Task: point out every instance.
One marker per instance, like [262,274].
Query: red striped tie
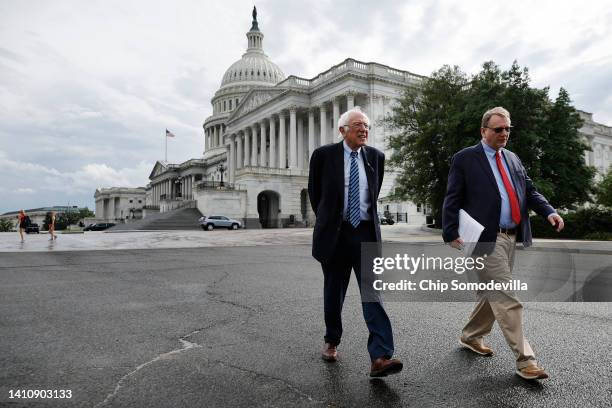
[514,205]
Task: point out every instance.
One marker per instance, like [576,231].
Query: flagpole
[166,137]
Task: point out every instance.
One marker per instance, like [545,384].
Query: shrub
[584,223]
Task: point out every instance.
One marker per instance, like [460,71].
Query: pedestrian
[21,223]
[51,226]
[343,184]
[490,183]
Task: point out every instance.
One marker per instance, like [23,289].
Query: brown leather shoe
[532,373]
[476,347]
[330,352]
[382,367]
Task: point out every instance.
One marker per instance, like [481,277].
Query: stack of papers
[469,231]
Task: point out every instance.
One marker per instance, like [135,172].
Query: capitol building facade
[264,127]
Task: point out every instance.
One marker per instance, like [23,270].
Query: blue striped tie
[353,193]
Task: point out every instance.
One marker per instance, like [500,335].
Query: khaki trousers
[501,306]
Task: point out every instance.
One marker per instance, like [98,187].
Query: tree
[85,213]
[72,217]
[431,124]
[6,225]
[61,221]
[562,156]
[604,190]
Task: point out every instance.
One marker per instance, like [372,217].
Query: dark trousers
[337,274]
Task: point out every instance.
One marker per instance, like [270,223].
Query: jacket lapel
[484,163]
[369,170]
[338,164]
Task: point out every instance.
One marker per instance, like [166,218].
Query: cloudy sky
[87,88]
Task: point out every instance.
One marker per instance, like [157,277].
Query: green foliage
[428,130]
[85,213]
[604,190]
[585,223]
[73,217]
[562,163]
[61,222]
[7,225]
[431,124]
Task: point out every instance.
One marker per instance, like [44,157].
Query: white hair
[344,118]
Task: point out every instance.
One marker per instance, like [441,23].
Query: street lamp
[221,168]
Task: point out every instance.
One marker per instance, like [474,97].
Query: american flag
[169,133]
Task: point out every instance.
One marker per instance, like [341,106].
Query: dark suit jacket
[326,191]
[472,187]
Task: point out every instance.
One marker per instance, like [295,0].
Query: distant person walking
[21,223]
[52,226]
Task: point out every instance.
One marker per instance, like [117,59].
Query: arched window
[224,106]
[230,104]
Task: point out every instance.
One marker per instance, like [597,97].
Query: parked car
[101,226]
[386,220]
[32,228]
[219,221]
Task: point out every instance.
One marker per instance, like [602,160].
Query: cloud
[25,182]
[80,110]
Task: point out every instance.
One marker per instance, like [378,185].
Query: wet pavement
[234,318]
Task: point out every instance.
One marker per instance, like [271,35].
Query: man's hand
[556,221]
[457,244]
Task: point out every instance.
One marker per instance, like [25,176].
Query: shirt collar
[348,150]
[489,151]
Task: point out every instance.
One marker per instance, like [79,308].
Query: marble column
[323,119]
[254,145]
[247,148]
[231,160]
[336,108]
[300,142]
[350,101]
[282,141]
[272,161]
[239,159]
[311,134]
[262,146]
[292,139]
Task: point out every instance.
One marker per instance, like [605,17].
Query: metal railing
[218,185]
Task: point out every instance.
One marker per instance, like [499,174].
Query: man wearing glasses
[343,185]
[492,186]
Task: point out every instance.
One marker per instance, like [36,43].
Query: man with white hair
[343,185]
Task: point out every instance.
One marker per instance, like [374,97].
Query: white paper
[469,231]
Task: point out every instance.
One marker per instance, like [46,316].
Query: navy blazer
[472,187]
[326,192]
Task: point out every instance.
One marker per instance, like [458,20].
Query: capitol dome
[255,67]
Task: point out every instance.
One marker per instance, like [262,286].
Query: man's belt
[507,231]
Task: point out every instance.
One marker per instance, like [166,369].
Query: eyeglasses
[359,125]
[499,129]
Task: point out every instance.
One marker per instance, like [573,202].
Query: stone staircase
[181,219]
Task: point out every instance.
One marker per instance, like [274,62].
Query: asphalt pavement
[237,322]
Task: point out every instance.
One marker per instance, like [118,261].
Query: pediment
[159,168]
[254,99]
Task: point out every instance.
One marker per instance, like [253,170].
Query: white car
[219,221]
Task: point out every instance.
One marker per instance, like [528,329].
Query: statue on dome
[254,26]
